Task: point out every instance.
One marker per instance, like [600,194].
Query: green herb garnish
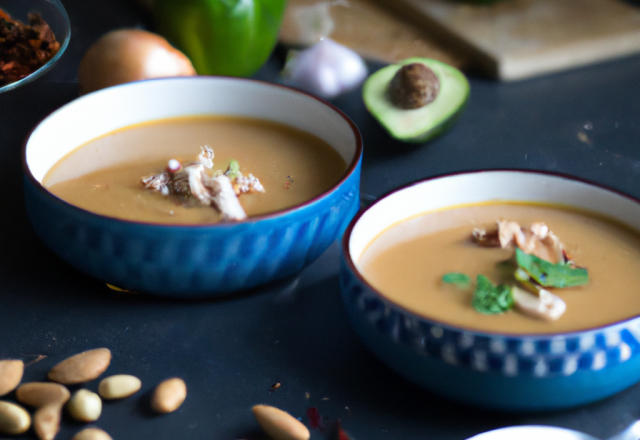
[233,170]
[551,275]
[490,299]
[458,279]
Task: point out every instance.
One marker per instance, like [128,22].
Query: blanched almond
[85,406]
[10,375]
[14,419]
[280,425]
[81,367]
[46,421]
[169,395]
[39,394]
[91,434]
[118,386]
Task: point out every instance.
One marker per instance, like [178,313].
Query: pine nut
[169,395]
[280,425]
[118,386]
[85,406]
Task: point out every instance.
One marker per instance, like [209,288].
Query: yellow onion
[127,55]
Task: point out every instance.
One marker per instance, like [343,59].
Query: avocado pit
[413,86]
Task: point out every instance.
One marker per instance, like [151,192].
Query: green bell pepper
[221,37]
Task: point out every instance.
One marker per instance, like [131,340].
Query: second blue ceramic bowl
[189,261]
[500,371]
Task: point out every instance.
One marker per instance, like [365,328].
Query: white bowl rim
[351,167]
[346,254]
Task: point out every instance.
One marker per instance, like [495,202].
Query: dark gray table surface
[231,351]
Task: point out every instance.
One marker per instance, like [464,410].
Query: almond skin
[14,419]
[81,367]
[169,395]
[39,394]
[10,375]
[280,425]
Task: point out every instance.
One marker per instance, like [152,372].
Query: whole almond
[39,394]
[46,421]
[91,434]
[10,375]
[14,419]
[278,424]
[81,367]
[118,386]
[85,406]
[169,395]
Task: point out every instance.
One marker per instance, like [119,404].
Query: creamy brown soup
[103,176]
[407,261]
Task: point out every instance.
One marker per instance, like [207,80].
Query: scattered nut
[10,375]
[39,394]
[91,434]
[14,419]
[278,424]
[85,406]
[81,367]
[169,395]
[46,421]
[118,386]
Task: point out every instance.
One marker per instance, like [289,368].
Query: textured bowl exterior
[505,372]
[190,260]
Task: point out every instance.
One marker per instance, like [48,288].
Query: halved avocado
[423,123]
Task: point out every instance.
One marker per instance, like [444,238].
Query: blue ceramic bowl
[500,371]
[54,14]
[189,261]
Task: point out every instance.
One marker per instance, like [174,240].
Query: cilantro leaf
[458,279]
[490,299]
[551,275]
[234,168]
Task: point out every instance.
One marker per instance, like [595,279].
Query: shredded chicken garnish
[193,181]
[538,240]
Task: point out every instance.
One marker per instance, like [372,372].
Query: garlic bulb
[326,69]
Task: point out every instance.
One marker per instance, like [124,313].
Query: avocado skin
[453,102]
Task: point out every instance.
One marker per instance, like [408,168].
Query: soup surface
[407,261]
[104,175]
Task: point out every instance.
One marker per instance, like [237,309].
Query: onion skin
[127,55]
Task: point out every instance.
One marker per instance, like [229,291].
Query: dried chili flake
[342,435]
[24,48]
[337,433]
[315,419]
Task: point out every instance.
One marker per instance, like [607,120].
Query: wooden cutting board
[372,30]
[516,39]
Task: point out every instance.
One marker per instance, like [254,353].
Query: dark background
[296,332]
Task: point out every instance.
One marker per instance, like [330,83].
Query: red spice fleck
[315,419]
[339,433]
[342,435]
